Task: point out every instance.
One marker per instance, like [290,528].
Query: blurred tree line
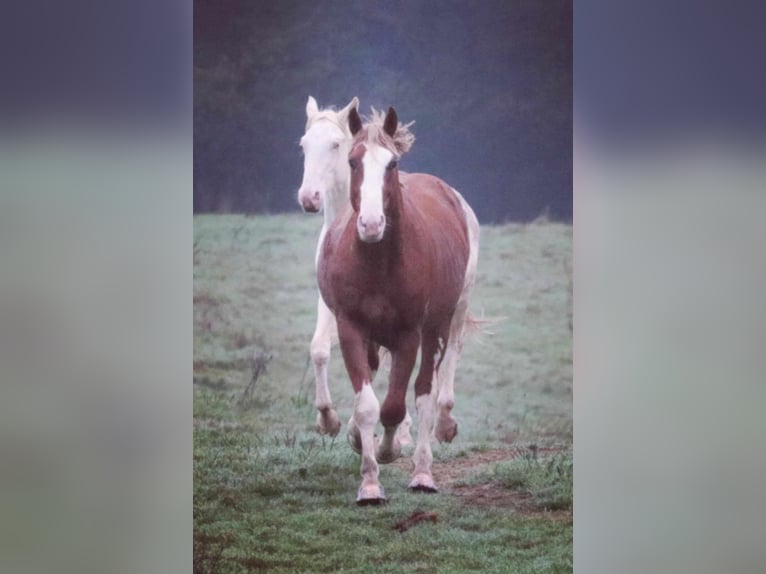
[489,84]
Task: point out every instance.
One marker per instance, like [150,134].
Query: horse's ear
[353,104]
[311,107]
[354,122]
[391,122]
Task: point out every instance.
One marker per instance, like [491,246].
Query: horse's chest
[378,306]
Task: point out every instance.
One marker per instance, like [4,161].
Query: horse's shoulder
[431,194]
[418,179]
[335,234]
[427,183]
[340,222]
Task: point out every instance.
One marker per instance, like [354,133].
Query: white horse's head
[325,145]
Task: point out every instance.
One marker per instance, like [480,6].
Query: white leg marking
[321,343]
[422,458]
[403,434]
[366,415]
[446,426]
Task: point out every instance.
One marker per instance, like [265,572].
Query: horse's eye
[391,165]
[335,145]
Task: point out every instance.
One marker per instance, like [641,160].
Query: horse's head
[325,150]
[374,156]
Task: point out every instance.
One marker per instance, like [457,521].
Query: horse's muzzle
[309,206]
[311,202]
[371,231]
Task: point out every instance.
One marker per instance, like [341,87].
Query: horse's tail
[473,327]
[476,327]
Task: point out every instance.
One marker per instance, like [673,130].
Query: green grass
[273,496]
[548,481]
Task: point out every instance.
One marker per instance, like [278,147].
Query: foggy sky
[489,85]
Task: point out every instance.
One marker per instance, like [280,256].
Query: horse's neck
[390,247]
[335,201]
[397,214]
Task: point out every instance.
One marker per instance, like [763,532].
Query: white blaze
[375,161]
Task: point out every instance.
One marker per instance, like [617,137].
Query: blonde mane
[331,115]
[403,137]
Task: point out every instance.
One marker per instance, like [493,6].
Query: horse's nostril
[371,227]
[316,195]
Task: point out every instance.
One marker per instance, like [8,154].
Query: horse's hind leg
[372,356]
[422,458]
[446,426]
[321,343]
[403,435]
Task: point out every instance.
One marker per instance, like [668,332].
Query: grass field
[271,495]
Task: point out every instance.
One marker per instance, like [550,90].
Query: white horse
[326,181]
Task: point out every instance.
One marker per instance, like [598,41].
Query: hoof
[371,495]
[446,429]
[423,482]
[328,422]
[388,456]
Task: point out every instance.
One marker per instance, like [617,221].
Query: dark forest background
[488,83]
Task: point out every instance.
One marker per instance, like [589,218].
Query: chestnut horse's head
[325,151]
[374,156]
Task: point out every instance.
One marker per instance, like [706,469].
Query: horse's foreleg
[422,479]
[366,410]
[394,410]
[321,343]
[403,434]
[366,414]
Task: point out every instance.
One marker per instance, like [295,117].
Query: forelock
[329,115]
[399,144]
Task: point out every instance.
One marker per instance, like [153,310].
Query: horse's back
[438,207]
[436,211]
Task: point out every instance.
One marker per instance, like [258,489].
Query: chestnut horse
[326,179]
[396,268]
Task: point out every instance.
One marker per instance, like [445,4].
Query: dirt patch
[447,473]
[448,476]
[416,518]
[494,495]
